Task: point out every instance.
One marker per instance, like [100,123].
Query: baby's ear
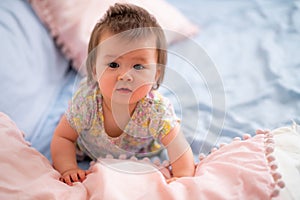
[158,73]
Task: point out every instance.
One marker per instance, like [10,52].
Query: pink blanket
[240,170]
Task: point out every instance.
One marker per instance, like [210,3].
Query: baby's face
[126,70]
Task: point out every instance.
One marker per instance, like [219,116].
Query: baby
[117,108]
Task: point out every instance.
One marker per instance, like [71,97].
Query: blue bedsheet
[32,72]
[254,46]
[240,73]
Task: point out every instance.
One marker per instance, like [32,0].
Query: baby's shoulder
[158,101]
[87,94]
[85,89]
[83,107]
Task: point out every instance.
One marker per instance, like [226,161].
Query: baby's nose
[125,77]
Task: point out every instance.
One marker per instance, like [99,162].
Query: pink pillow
[71,21]
[243,169]
[240,170]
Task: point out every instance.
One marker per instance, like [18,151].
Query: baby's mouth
[124,90]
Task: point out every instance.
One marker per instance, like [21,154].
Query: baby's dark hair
[137,23]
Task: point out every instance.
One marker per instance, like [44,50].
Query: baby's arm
[63,153]
[180,153]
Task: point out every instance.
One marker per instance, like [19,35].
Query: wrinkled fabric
[238,170]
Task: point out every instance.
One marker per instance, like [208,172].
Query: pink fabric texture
[243,169]
[71,22]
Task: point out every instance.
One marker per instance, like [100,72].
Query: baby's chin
[130,97]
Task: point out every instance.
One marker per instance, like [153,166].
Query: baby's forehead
[119,46]
[134,36]
[139,55]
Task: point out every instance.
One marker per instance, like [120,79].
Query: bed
[235,64]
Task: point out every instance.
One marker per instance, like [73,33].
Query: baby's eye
[113,65]
[138,67]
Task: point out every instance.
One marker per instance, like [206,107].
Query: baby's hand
[169,180]
[74,175]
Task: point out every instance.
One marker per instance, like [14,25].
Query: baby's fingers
[74,177]
[87,172]
[71,176]
[66,179]
[81,175]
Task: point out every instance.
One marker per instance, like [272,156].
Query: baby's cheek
[106,87]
